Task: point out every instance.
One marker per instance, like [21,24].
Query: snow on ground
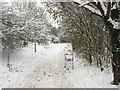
[88,77]
[0,64]
[45,69]
[0,59]
[26,61]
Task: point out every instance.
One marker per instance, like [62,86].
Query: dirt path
[48,74]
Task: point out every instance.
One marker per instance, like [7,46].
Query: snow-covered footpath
[0,63]
[45,69]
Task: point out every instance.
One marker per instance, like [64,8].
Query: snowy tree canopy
[24,21]
[100,7]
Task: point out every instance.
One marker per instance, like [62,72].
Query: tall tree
[23,22]
[105,10]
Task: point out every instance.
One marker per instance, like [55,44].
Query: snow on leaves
[24,21]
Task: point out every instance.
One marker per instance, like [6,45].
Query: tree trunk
[116,56]
[119,67]
[90,58]
[116,68]
[115,43]
[8,63]
[35,47]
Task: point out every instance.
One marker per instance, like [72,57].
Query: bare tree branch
[108,10]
